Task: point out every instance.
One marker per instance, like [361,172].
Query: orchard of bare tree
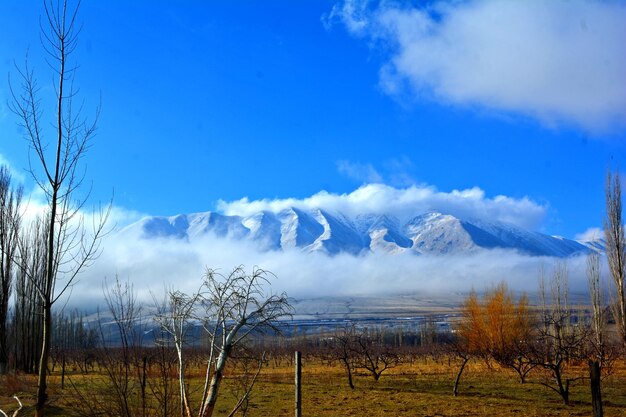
[160,341]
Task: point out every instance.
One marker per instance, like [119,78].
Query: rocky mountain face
[334,233]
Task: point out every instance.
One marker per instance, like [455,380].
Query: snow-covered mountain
[334,233]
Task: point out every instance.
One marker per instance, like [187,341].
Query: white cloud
[593,233]
[405,203]
[87,290]
[398,172]
[365,173]
[561,62]
[152,265]
[155,264]
[395,172]
[17,176]
[35,204]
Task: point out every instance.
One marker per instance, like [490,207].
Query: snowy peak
[334,233]
[298,229]
[175,226]
[438,233]
[265,229]
[385,235]
[339,235]
[218,224]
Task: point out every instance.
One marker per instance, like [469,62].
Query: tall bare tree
[598,319]
[59,152]
[616,248]
[560,338]
[10,200]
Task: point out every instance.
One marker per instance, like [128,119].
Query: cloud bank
[156,264]
[152,265]
[404,203]
[561,62]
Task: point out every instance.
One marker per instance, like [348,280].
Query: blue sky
[209,101]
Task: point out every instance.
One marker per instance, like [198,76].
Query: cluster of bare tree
[146,358]
[554,340]
[551,343]
[10,199]
[555,337]
[22,266]
[41,258]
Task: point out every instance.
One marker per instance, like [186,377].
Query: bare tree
[161,384]
[616,249]
[70,246]
[10,200]
[126,315]
[230,308]
[561,338]
[121,389]
[372,354]
[175,319]
[339,349]
[459,348]
[235,307]
[598,319]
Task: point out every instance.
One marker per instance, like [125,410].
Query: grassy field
[423,388]
[426,390]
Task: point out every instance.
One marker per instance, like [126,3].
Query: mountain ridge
[319,230]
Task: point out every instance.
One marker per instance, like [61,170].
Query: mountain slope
[335,233]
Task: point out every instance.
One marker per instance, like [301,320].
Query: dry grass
[426,390]
[420,389]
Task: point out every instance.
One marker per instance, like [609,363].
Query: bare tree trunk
[216,381]
[42,380]
[596,394]
[63,371]
[349,372]
[598,323]
[616,249]
[144,363]
[184,401]
[455,391]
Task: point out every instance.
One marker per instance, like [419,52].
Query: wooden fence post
[298,385]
